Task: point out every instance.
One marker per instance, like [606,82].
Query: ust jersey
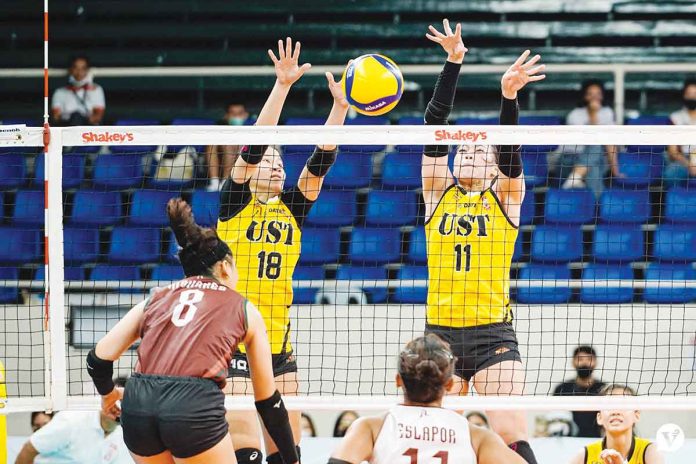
[423,435]
[265,239]
[635,456]
[470,242]
[191,328]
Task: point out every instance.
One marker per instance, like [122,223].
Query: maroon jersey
[191,328]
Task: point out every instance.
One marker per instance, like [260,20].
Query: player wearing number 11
[472,215]
[173,407]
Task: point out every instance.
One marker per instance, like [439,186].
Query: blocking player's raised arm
[358,443]
[435,173]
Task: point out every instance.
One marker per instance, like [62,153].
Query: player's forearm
[509,158]
[27,455]
[440,105]
[337,117]
[270,113]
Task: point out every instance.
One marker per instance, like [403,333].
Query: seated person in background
[39,419]
[681,160]
[81,102]
[343,422]
[77,436]
[620,444]
[307,426]
[587,164]
[584,362]
[477,418]
[220,158]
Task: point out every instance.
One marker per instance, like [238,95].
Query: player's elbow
[27,454]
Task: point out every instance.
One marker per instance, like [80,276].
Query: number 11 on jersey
[465,250]
[412,453]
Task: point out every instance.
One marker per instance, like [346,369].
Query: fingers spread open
[273,57]
[537,78]
[436,33]
[288,47]
[536,69]
[531,62]
[281,50]
[522,57]
[296,55]
[446,26]
[458,30]
[433,38]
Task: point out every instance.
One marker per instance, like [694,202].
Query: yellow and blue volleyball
[373,84]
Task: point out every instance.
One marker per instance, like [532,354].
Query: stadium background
[153,34]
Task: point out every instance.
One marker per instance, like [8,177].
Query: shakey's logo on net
[113,137]
[471,136]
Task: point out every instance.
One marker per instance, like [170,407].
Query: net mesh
[602,260]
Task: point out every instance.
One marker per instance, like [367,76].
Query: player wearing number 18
[173,407]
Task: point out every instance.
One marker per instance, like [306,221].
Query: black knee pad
[249,456]
[275,458]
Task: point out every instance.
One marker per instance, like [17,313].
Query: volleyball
[373,84]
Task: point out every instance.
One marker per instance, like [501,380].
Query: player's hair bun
[426,365]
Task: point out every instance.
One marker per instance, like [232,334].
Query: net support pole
[54,250]
[619,94]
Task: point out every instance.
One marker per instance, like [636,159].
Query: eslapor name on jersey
[432,433]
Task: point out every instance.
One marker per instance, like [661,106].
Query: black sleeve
[297,203]
[440,106]
[509,159]
[233,198]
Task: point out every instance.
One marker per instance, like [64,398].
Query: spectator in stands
[344,421]
[587,164]
[584,384]
[307,425]
[81,102]
[39,419]
[681,160]
[478,418]
[220,158]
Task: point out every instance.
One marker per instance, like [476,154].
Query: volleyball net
[601,261]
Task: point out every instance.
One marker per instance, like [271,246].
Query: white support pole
[619,94]
[56,315]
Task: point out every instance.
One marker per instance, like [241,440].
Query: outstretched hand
[336,89]
[450,41]
[110,406]
[520,74]
[287,67]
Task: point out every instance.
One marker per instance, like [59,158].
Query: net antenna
[347,353]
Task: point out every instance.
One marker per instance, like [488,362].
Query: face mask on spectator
[584,372]
[236,121]
[81,83]
[690,103]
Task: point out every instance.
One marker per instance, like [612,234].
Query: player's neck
[264,196]
[620,442]
[472,185]
[433,404]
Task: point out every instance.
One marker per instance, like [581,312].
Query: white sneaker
[214,185]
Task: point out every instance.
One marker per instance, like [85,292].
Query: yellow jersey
[265,239]
[636,455]
[470,242]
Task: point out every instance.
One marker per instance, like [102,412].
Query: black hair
[586,349]
[688,82]
[311,424]
[340,433]
[36,413]
[426,364]
[586,84]
[201,246]
[480,415]
[75,58]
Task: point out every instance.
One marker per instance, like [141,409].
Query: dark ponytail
[425,366]
[201,247]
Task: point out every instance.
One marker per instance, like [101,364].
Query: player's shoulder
[680,117]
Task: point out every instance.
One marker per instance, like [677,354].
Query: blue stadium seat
[374,245]
[167,272]
[367,274]
[624,206]
[205,207]
[407,293]
[476,121]
[192,122]
[13,170]
[294,163]
[681,206]
[410,150]
[69,273]
[305,121]
[137,122]
[575,206]
[402,170]
[535,168]
[134,245]
[20,245]
[518,253]
[556,244]
[29,208]
[118,171]
[615,243]
[541,120]
[417,246]
[84,150]
[391,209]
[320,246]
[651,120]
[669,292]
[528,210]
[351,170]
[96,208]
[104,272]
[411,121]
[305,150]
[8,294]
[80,245]
[640,169]
[172,255]
[335,208]
[306,295]
[73,169]
[675,243]
[548,294]
[606,295]
[149,208]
